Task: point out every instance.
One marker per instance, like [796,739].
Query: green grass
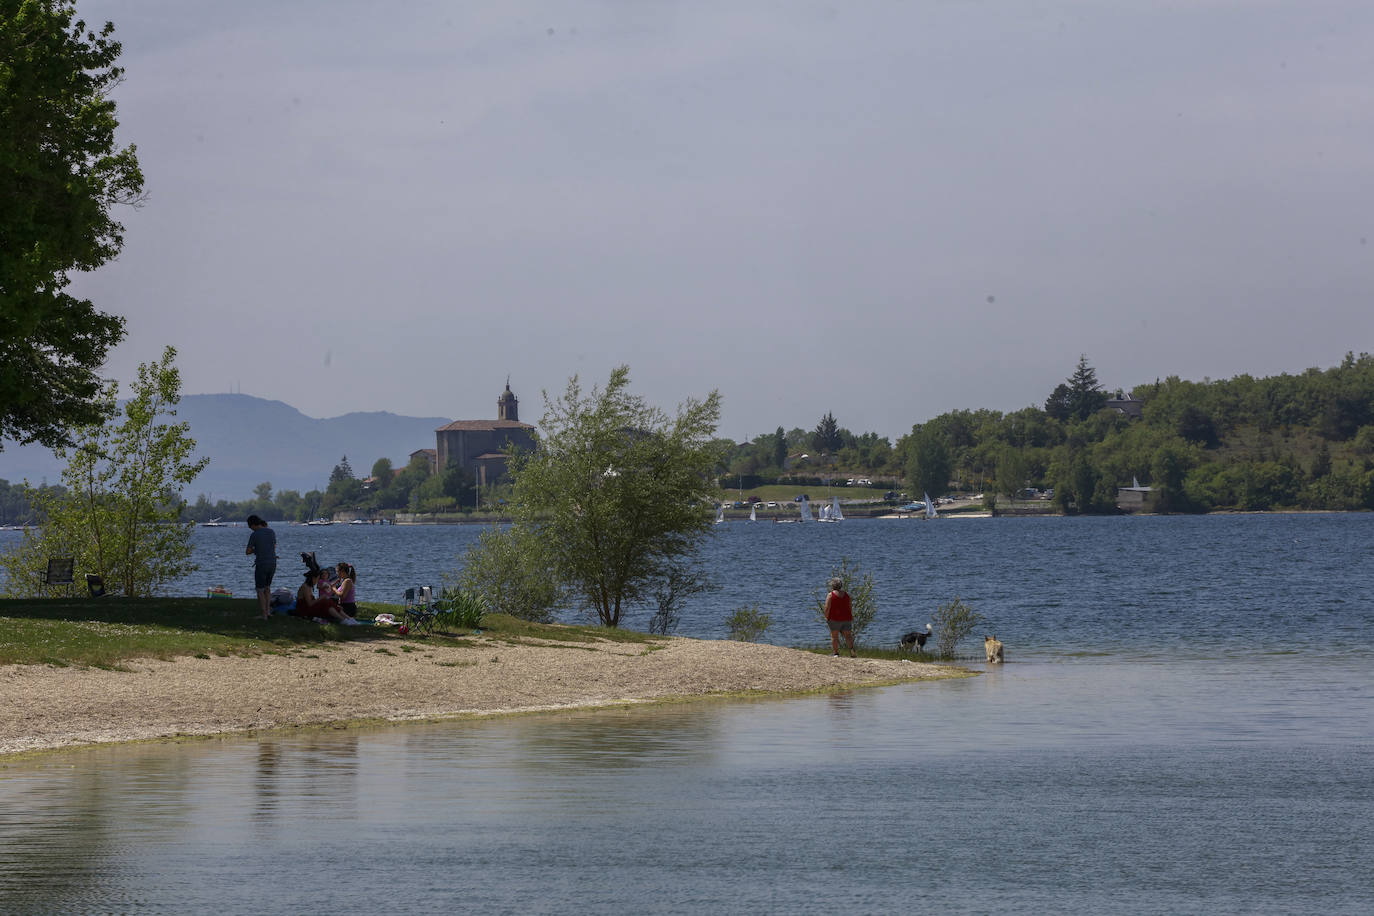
[111,631]
[785,492]
[869,652]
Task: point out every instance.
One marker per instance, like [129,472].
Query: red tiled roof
[482,425]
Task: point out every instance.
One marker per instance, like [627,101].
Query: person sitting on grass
[344,587]
[307,605]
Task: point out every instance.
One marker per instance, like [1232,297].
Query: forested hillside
[1287,441]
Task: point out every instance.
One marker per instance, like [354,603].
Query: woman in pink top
[346,589]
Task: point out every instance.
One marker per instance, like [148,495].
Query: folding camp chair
[60,571]
[419,612]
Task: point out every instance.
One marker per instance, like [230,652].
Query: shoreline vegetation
[80,673]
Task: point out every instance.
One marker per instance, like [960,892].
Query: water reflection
[1235,786]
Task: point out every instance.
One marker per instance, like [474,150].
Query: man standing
[262,544]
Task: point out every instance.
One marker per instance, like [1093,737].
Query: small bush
[953,622]
[515,572]
[671,594]
[459,609]
[748,624]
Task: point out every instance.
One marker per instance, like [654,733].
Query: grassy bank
[110,631]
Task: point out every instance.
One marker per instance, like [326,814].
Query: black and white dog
[916,638]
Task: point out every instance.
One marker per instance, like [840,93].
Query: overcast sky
[885,210]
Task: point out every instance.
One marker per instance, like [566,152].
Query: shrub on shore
[953,622]
[749,624]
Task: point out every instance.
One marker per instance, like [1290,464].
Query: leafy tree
[514,572]
[262,501]
[459,484]
[1011,472]
[60,175]
[1321,462]
[1057,405]
[1196,425]
[288,504]
[780,449]
[827,439]
[928,465]
[1169,471]
[618,491]
[119,515]
[1364,441]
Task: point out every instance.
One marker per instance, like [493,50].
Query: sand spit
[48,707]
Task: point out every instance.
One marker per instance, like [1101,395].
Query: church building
[478,445]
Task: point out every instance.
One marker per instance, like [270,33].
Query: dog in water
[993,647]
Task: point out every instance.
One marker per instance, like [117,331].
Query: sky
[881,210]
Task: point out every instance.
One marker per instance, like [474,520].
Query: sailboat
[214,523]
[806,511]
[720,514]
[753,509]
[930,506]
[831,512]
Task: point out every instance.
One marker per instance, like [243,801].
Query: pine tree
[826,439]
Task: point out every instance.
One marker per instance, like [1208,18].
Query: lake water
[1184,725]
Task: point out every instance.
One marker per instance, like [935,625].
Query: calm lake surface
[1185,724]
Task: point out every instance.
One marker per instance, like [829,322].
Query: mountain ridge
[252,440]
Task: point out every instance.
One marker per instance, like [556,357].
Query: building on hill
[479,445]
[429,454]
[1127,405]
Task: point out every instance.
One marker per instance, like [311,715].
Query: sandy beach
[49,707]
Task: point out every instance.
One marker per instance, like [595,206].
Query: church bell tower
[508,405]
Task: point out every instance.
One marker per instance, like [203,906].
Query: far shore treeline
[1250,444]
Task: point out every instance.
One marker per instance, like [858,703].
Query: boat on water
[720,514]
[216,523]
[320,521]
[753,512]
[930,506]
[831,512]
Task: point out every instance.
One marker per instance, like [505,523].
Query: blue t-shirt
[264,544]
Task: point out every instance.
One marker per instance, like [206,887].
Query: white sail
[930,506]
[806,510]
[720,514]
[753,510]
[835,512]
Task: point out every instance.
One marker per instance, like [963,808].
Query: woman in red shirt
[839,614]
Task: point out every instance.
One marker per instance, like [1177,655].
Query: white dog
[993,647]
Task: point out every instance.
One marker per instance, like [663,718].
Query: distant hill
[250,440]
